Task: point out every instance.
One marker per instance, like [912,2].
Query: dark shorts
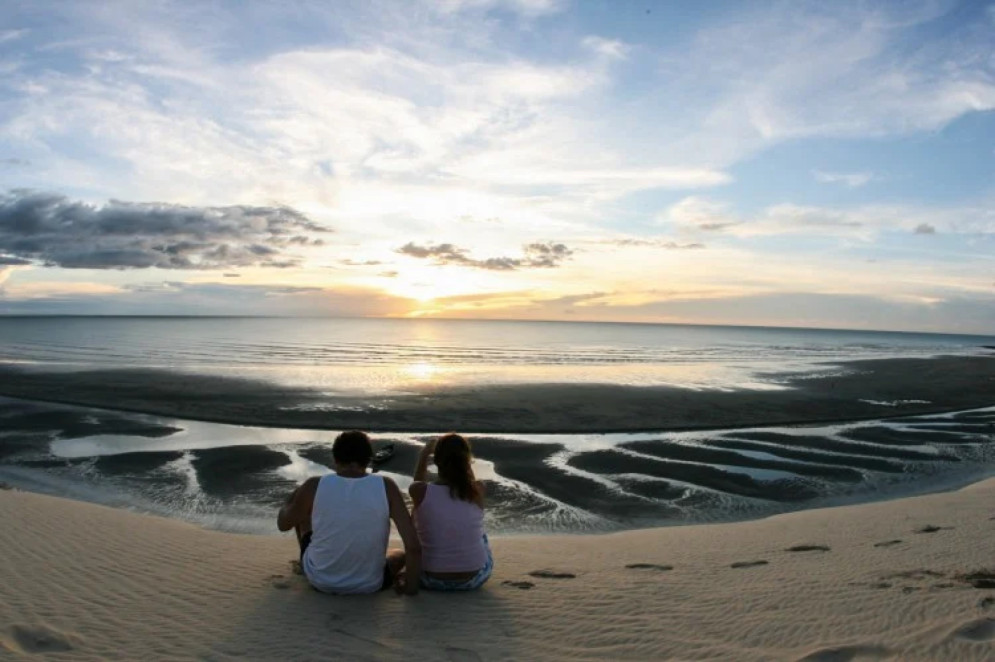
[388,578]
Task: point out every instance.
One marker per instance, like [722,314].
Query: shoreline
[918,387]
[907,579]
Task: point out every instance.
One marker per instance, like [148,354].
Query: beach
[836,512]
[893,580]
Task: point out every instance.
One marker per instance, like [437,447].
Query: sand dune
[903,580]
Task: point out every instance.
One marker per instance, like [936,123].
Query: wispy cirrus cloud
[11,35]
[536,255]
[51,229]
[774,73]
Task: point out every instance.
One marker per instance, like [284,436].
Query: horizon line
[475,319]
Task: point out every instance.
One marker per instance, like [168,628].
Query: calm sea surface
[383,355]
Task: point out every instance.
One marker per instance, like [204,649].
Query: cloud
[52,229]
[525,7]
[781,72]
[360,263]
[11,35]
[853,179]
[610,48]
[864,222]
[699,213]
[178,298]
[536,255]
[965,312]
[8,261]
[667,244]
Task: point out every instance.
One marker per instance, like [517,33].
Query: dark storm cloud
[6,261]
[538,255]
[56,231]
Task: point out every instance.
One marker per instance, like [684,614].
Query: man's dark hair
[352,447]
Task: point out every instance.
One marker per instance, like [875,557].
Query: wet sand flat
[913,385]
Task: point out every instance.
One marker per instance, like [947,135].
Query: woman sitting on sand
[449,518]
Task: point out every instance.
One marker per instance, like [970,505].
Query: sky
[765,163]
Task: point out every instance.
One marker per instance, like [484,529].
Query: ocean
[232,475]
[374,356]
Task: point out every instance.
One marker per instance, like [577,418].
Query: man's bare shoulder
[308,488]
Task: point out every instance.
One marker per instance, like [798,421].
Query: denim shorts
[433,584]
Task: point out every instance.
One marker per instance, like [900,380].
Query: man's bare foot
[400,582]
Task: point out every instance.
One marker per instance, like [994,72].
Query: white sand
[79,581]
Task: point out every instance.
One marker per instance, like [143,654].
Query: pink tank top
[451,532]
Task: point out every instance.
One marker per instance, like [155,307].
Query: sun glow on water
[421,371]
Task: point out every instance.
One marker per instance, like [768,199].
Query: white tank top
[350,525]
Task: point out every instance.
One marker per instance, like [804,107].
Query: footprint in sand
[295,567]
[986,603]
[33,639]
[462,655]
[876,585]
[649,566]
[748,564]
[979,579]
[551,574]
[930,528]
[982,629]
[918,575]
[887,543]
[847,654]
[808,548]
[278,581]
[522,585]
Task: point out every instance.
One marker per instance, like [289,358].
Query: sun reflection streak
[421,371]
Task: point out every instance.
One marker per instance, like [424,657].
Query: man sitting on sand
[342,521]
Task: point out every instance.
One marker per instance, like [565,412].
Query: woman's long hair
[452,457]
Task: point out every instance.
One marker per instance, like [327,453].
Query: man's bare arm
[296,511]
[405,528]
